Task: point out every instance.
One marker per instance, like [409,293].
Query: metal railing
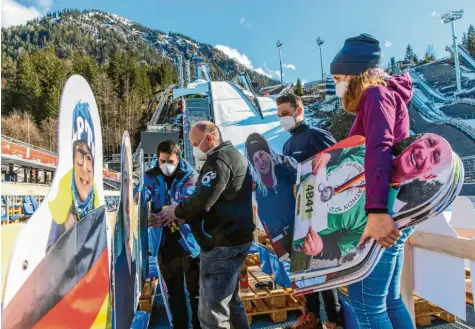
[441,118]
[158,110]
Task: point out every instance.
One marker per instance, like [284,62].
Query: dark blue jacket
[183,185]
[307,141]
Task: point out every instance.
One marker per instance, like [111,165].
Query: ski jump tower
[179,64]
[200,68]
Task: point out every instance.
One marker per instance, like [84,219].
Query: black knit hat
[357,55]
[256,142]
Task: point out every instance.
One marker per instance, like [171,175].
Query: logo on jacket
[208,177]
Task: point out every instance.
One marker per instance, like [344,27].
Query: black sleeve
[322,139]
[334,157]
[209,188]
[331,249]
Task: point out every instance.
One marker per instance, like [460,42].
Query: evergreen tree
[299,88]
[28,86]
[471,40]
[464,40]
[86,66]
[408,58]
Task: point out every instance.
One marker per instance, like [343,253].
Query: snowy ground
[237,117]
[470,122]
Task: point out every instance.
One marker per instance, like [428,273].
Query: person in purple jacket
[379,102]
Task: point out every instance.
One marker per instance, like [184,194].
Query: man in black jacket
[304,143]
[220,215]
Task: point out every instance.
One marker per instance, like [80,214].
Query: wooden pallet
[148,293]
[425,311]
[263,239]
[275,303]
[252,260]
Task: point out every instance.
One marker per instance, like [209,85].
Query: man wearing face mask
[304,143]
[170,182]
[220,214]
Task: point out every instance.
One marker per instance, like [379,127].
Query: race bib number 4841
[308,196]
[311,211]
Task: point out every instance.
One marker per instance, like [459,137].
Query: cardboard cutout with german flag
[125,246]
[62,256]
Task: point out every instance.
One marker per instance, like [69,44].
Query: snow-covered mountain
[100,33]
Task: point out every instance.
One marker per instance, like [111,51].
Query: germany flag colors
[70,287]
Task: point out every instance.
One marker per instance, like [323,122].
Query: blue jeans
[220,305]
[377,300]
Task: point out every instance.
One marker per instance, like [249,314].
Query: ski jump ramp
[237,117]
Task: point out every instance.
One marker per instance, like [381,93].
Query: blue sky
[251,27]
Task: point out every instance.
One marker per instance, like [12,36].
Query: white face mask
[341,89]
[168,169]
[288,122]
[198,153]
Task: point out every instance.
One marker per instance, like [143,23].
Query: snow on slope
[236,118]
[470,122]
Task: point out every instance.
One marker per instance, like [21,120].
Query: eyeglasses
[80,156]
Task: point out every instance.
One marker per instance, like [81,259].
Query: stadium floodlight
[450,17]
[279,44]
[320,43]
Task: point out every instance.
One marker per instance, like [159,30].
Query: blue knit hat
[357,55]
[83,126]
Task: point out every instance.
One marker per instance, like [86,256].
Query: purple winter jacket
[383,119]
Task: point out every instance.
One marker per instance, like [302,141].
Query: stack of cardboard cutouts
[322,238]
[126,246]
[142,264]
[62,255]
[66,253]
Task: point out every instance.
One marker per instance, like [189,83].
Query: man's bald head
[205,134]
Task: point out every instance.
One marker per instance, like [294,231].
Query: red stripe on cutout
[80,306]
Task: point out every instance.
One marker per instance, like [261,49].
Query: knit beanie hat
[83,127]
[256,142]
[357,55]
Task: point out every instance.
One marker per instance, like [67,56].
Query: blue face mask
[82,208]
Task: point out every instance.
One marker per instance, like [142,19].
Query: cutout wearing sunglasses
[82,157]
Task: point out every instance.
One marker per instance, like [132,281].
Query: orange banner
[26,153]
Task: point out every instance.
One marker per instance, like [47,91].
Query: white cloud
[46,5]
[260,70]
[235,54]
[245,22]
[435,14]
[289,66]
[245,61]
[388,43]
[14,13]
[277,74]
